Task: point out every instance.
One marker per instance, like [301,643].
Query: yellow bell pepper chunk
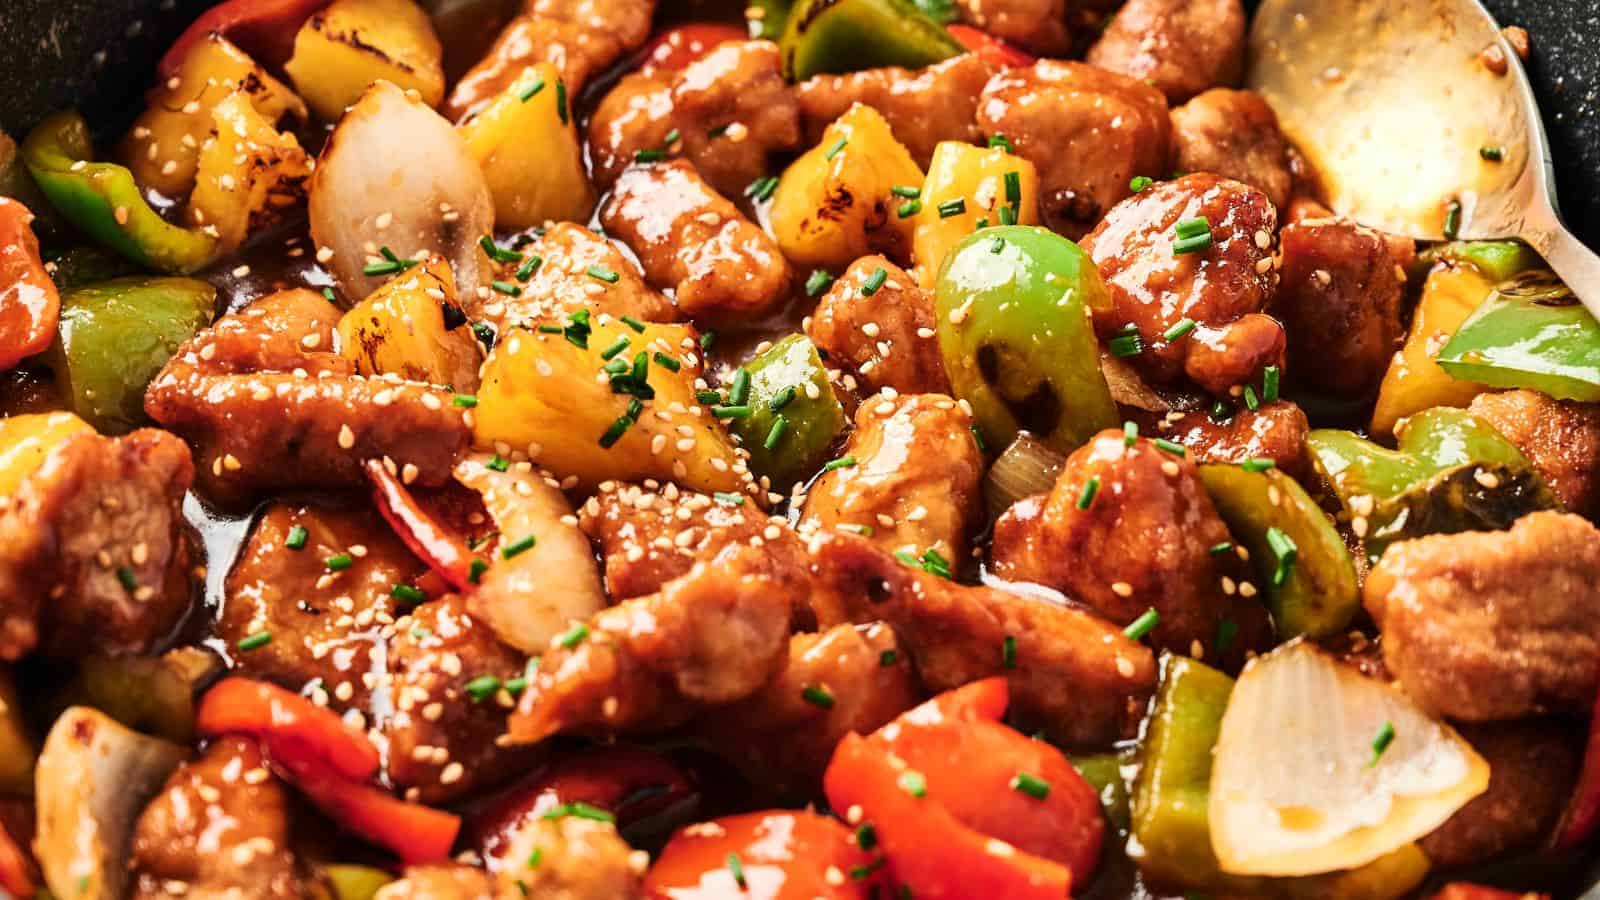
[1414,382]
[342,50]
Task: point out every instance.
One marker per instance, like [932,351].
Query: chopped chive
[1227,630]
[1125,345]
[601,273]
[1492,154]
[1130,433]
[1269,384]
[707,339]
[672,137]
[666,362]
[1142,625]
[633,323]
[739,390]
[535,857]
[951,208]
[528,268]
[818,282]
[888,657]
[1002,142]
[1257,465]
[1008,215]
[1221,412]
[328,293]
[727,499]
[498,463]
[616,431]
[1452,220]
[507,288]
[1251,401]
[1008,652]
[516,547]
[255,641]
[1033,786]
[531,90]
[498,253]
[649,156]
[862,873]
[551,329]
[762,189]
[517,685]
[1188,228]
[909,209]
[1086,496]
[475,570]
[977,438]
[843,462]
[997,245]
[1381,742]
[1140,182]
[866,835]
[483,687]
[1223,547]
[908,191]
[466,401]
[339,562]
[875,281]
[1192,244]
[737,869]
[837,146]
[1179,328]
[914,783]
[561,101]
[982,224]
[718,131]
[780,425]
[781,399]
[1170,447]
[731,412]
[574,636]
[298,535]
[579,810]
[710,397]
[817,695]
[1013,187]
[405,593]
[617,346]
[935,564]
[1284,551]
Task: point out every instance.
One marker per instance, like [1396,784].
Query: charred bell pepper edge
[104,200]
[445,553]
[264,28]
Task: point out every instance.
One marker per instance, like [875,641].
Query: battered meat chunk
[731,108]
[1182,47]
[723,269]
[652,534]
[1491,626]
[922,106]
[442,881]
[1560,437]
[579,859]
[1039,26]
[1533,766]
[1144,542]
[1339,301]
[1276,431]
[93,552]
[915,480]
[219,829]
[441,734]
[325,624]
[582,38]
[886,339]
[1071,673]
[1233,134]
[711,637]
[270,406]
[848,678]
[1088,131]
[1221,287]
[561,284]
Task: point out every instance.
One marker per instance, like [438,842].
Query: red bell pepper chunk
[929,851]
[417,834]
[265,29]
[287,722]
[777,855]
[991,49]
[676,48]
[1462,890]
[434,544]
[1583,813]
[30,308]
[16,875]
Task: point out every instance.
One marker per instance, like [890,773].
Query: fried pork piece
[220,828]
[654,533]
[713,636]
[1233,134]
[271,406]
[1339,300]
[582,38]
[325,624]
[887,339]
[1144,542]
[1039,26]
[1221,287]
[442,732]
[1182,47]
[1560,437]
[1533,766]
[1490,626]
[1276,431]
[914,485]
[723,269]
[731,108]
[579,859]
[1071,672]
[848,678]
[922,106]
[93,552]
[441,881]
[562,284]
[1088,131]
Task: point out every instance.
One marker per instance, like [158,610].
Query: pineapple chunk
[544,394]
[402,329]
[249,174]
[528,148]
[342,50]
[27,440]
[837,203]
[975,181]
[163,147]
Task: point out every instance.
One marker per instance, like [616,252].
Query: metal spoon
[1412,132]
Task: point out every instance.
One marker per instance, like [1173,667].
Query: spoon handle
[1577,265]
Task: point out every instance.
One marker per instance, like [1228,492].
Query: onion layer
[1027,467]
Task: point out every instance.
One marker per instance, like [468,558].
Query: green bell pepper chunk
[1104,772]
[343,881]
[832,36]
[1497,260]
[115,336]
[1530,333]
[1014,332]
[1317,592]
[1450,472]
[104,201]
[768,25]
[787,433]
[156,695]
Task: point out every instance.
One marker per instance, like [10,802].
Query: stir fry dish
[846,449]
